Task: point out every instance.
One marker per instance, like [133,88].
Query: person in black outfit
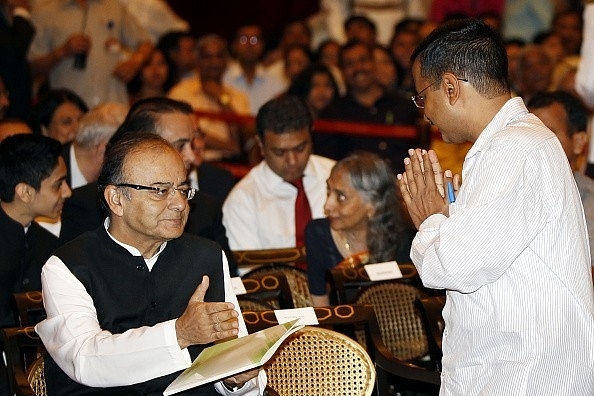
[32,183]
[16,35]
[366,102]
[131,304]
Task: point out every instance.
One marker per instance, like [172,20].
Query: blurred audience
[207,92]
[360,28]
[366,101]
[246,71]
[13,126]
[179,48]
[90,47]
[316,86]
[385,68]
[153,79]
[16,34]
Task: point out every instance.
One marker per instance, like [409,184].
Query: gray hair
[99,124]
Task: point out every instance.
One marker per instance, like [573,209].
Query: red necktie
[302,213]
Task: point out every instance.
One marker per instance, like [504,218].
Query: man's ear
[114,196]
[24,192]
[580,141]
[451,85]
[260,145]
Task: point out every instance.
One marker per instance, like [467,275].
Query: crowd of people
[116,125]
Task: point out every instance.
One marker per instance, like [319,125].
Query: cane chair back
[297,278]
[319,361]
[36,377]
[401,326]
[265,292]
[250,259]
[431,308]
[23,347]
[346,282]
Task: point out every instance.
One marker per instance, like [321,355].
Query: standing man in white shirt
[259,211]
[511,247]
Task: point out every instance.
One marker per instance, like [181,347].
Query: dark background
[224,16]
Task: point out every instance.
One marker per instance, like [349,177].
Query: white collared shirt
[259,212]
[514,258]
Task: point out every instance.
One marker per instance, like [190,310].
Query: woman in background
[315,85]
[364,223]
[153,79]
[58,113]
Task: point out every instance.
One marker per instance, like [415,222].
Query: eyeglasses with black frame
[164,191]
[419,99]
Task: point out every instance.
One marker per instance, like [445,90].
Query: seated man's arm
[95,357]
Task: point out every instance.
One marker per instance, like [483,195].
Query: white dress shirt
[514,258]
[259,212]
[96,357]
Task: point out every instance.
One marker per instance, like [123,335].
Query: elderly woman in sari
[365,222]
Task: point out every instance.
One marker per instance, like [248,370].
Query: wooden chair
[36,377]
[402,359]
[297,278]
[23,349]
[347,282]
[250,259]
[29,308]
[431,308]
[265,292]
[345,318]
[319,361]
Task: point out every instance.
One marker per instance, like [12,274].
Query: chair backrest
[431,308]
[29,308]
[250,259]
[400,324]
[23,347]
[319,361]
[297,278]
[36,377]
[266,291]
[347,282]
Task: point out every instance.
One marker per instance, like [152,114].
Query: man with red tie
[270,206]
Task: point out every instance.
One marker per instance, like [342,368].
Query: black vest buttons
[139,267]
[153,304]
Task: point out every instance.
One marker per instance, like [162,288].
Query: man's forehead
[286,141]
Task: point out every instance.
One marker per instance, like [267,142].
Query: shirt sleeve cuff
[171,339]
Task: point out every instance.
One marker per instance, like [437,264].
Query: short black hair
[144,115]
[363,20]
[468,48]
[52,99]
[26,158]
[351,44]
[577,114]
[286,113]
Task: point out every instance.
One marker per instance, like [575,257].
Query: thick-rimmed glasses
[162,192]
[419,99]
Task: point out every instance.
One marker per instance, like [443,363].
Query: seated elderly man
[130,304]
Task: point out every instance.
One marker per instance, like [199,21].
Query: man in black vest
[132,303]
